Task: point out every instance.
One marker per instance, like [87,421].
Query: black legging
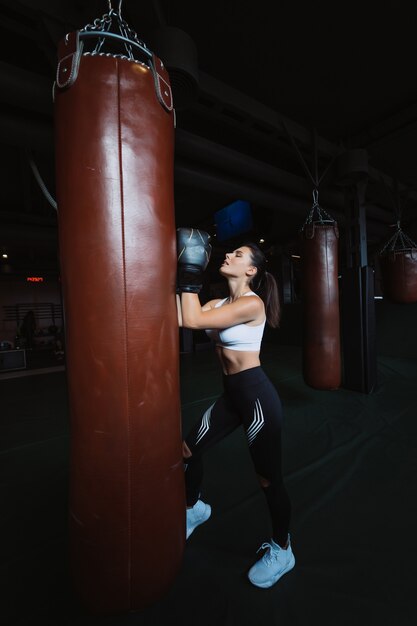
[251,400]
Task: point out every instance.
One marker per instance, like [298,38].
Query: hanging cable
[399,241]
[41,183]
[317,214]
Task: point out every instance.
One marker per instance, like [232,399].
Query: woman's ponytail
[271,300]
[265,285]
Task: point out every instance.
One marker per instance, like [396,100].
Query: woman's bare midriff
[235,361]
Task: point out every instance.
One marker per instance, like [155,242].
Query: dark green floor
[350,464]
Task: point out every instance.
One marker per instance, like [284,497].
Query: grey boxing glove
[193,254]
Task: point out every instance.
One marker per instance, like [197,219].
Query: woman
[236,324]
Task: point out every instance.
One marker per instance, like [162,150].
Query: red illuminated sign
[34,279]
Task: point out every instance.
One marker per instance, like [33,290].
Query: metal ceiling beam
[228,97]
[36,135]
[217,182]
[62,11]
[26,133]
[188,174]
[27,90]
[210,153]
[31,91]
[387,129]
[19,30]
[215,155]
[224,95]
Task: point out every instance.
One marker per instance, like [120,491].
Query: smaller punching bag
[320,299]
[398,261]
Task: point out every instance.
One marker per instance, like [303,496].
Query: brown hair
[265,285]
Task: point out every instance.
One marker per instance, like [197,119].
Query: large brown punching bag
[114,182]
[320,305]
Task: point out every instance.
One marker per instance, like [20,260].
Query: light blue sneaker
[197,515]
[275,563]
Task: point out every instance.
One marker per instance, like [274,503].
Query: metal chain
[106,22]
[131,33]
[399,242]
[98,24]
[126,32]
[111,7]
[317,213]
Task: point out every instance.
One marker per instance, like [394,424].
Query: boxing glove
[193,253]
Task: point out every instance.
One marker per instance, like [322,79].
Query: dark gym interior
[273,101]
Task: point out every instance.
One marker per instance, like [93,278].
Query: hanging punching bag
[114,129]
[320,301]
[399,275]
[398,262]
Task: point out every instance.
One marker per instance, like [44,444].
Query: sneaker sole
[201,521]
[276,578]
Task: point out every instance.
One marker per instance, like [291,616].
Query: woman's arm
[197,317]
[206,307]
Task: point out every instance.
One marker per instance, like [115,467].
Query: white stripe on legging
[257,424]
[205,424]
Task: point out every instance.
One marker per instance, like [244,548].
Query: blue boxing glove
[193,253]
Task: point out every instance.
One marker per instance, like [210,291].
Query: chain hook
[315,197]
[111,10]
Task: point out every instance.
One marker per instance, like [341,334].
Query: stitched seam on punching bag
[327,273]
[129,489]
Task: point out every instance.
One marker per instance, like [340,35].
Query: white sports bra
[240,337]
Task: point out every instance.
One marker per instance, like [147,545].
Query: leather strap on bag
[69,55]
[162,85]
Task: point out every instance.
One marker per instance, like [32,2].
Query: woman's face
[238,263]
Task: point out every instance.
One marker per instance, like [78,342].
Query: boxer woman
[236,325]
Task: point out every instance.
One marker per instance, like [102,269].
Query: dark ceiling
[334,76]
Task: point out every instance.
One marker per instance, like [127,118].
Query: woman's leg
[218,421]
[266,453]
[261,413]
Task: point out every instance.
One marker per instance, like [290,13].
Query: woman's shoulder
[211,304]
[257,304]
[253,297]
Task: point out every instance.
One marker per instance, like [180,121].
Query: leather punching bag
[114,134]
[399,275]
[320,304]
